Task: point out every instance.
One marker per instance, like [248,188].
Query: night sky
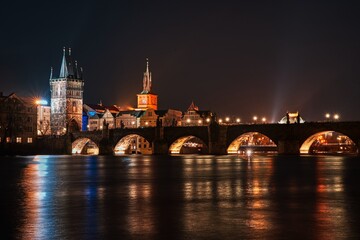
[236,58]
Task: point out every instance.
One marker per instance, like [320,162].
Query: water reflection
[183,197]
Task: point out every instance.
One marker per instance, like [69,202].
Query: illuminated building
[43,119]
[17,119]
[146,99]
[291,118]
[194,117]
[66,96]
[95,115]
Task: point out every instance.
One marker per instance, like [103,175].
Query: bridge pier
[160,147]
[217,139]
[105,147]
[289,147]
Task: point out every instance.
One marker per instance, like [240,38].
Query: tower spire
[147,79]
[51,72]
[64,70]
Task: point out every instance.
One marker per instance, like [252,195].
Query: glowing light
[238,120]
[208,120]
[227,119]
[41,102]
[248,152]
[188,120]
[220,120]
[263,119]
[336,116]
[255,118]
[199,121]
[146,123]
[327,115]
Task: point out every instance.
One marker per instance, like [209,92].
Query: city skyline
[240,59]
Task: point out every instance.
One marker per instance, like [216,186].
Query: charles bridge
[289,138]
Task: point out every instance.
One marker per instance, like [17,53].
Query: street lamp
[327,116]
[220,120]
[336,116]
[238,120]
[255,118]
[263,119]
[227,119]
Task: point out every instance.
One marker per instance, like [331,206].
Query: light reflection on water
[183,197]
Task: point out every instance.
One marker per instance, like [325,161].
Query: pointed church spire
[51,72]
[147,79]
[63,70]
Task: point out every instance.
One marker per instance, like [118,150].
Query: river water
[180,197]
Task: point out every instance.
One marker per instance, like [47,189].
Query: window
[18,139]
[74,106]
[29,140]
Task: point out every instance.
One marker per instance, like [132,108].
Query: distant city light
[255,118]
[199,121]
[263,119]
[208,120]
[336,116]
[227,119]
[220,120]
[327,115]
[238,120]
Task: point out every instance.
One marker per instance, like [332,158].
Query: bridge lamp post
[255,118]
[336,117]
[227,119]
[327,116]
[263,120]
[220,120]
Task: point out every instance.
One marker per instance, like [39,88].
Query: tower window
[74,106]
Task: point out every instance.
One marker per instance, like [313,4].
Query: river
[180,197]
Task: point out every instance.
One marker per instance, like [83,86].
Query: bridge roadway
[289,138]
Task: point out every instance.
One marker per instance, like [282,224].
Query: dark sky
[237,58]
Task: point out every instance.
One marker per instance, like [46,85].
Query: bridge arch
[254,141]
[133,144]
[188,144]
[84,146]
[328,142]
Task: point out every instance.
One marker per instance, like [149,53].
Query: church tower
[146,99]
[66,96]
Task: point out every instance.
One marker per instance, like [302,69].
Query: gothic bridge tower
[146,99]
[66,96]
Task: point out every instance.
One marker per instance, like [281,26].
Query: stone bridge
[289,138]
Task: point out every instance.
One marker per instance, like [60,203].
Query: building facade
[17,119]
[67,96]
[194,117]
[96,115]
[43,120]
